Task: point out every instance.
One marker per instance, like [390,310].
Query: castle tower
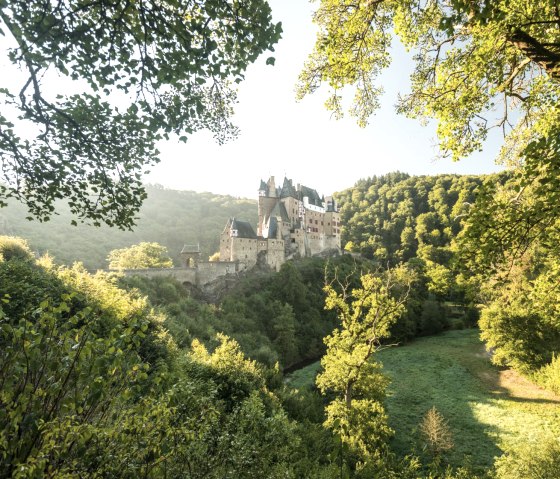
[267,201]
[190,255]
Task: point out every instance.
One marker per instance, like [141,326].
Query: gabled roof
[284,213]
[272,227]
[280,210]
[244,228]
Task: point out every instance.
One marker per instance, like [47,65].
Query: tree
[522,322]
[169,63]
[140,256]
[471,57]
[436,433]
[284,330]
[242,431]
[480,65]
[356,414]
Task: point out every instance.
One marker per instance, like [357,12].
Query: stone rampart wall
[205,273]
[182,274]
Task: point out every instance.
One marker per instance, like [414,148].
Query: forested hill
[169,217]
[385,217]
[396,217]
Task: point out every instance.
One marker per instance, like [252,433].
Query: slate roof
[272,227]
[284,213]
[280,210]
[191,248]
[314,198]
[244,229]
[288,189]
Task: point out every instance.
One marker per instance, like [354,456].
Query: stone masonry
[294,222]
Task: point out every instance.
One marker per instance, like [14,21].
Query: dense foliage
[478,65]
[470,251]
[415,219]
[92,385]
[102,82]
[78,357]
[275,318]
[396,217]
[168,217]
[140,256]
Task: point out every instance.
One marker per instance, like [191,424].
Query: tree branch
[536,52]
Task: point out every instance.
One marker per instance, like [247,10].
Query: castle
[293,222]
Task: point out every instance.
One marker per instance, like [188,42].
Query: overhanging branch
[536,52]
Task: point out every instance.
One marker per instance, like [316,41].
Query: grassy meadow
[489,410]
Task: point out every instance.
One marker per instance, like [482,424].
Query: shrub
[12,247]
[531,461]
[549,375]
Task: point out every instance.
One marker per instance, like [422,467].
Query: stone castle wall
[182,274]
[293,228]
[205,273]
[276,254]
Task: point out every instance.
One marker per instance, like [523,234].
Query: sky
[300,140]
[281,137]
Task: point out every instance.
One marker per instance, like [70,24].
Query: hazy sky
[300,140]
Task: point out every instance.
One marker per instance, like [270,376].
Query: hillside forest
[168,217]
[428,350]
[369,364]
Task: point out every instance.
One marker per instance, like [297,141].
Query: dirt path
[512,384]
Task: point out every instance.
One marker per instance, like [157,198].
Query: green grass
[304,377]
[488,410]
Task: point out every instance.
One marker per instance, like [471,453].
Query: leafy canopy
[104,81]
[480,64]
[140,256]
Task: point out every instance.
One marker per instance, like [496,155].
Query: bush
[14,248]
[532,461]
[549,375]
[76,352]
